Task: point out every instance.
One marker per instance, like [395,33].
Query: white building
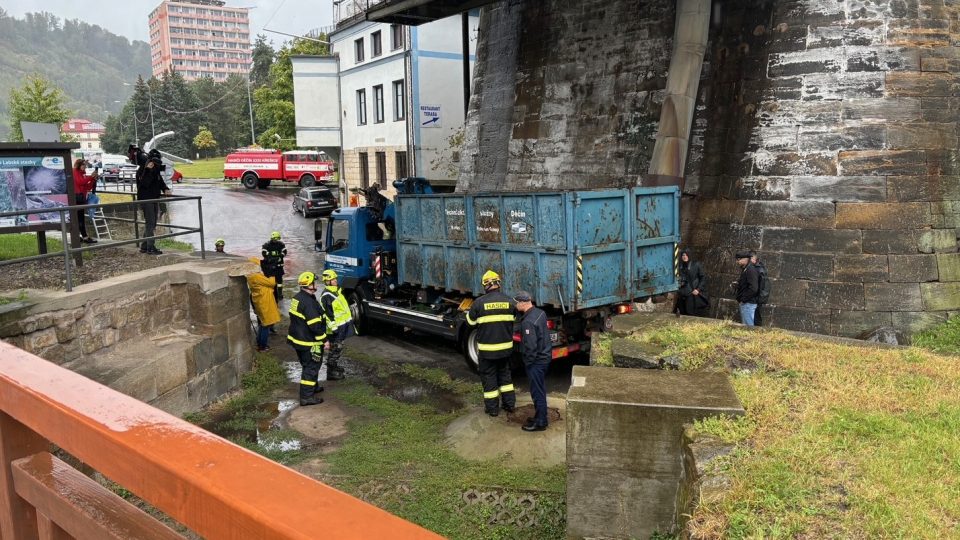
[391,98]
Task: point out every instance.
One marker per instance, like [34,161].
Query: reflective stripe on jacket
[307,327]
[335,307]
[493,314]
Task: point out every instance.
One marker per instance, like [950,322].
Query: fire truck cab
[257,168]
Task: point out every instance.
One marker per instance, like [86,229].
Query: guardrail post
[136,220]
[203,249]
[18,520]
[66,252]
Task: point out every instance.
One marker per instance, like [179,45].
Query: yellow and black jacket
[493,314]
[307,325]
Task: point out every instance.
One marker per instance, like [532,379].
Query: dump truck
[585,256]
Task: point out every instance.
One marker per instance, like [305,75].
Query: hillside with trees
[89,63]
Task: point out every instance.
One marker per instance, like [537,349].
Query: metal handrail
[69,250]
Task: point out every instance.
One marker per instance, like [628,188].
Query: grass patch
[15,246]
[943,338]
[838,441]
[20,297]
[203,168]
[174,245]
[600,354]
[404,445]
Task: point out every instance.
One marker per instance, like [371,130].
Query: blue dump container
[572,250]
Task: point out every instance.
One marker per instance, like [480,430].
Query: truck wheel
[263,184]
[471,355]
[307,180]
[360,322]
[249,180]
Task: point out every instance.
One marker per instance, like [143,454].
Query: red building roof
[82,125]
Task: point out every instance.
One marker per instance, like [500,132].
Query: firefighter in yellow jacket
[306,335]
[493,314]
[264,305]
[339,322]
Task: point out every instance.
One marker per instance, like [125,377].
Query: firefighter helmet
[490,278]
[306,279]
[328,275]
[275,235]
[219,242]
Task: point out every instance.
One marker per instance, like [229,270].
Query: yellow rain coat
[261,294]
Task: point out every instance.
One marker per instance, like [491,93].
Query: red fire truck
[256,168]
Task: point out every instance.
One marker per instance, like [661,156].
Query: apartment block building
[86,132]
[200,38]
[389,100]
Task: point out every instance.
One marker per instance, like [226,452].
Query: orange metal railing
[216,488]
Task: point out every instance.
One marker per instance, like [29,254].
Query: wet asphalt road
[245,218]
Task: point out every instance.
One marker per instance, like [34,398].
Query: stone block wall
[567,94]
[826,139]
[177,337]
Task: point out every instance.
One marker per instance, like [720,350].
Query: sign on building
[430,116]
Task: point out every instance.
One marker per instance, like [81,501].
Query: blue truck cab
[585,256]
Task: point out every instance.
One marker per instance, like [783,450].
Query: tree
[204,140]
[274,103]
[263,55]
[36,101]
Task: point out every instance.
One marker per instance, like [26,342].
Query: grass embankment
[838,441]
[203,168]
[400,448]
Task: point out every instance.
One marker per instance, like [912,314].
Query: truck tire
[308,180]
[249,180]
[360,321]
[471,355]
[263,184]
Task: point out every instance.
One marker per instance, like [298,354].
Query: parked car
[110,165]
[127,173]
[177,177]
[317,200]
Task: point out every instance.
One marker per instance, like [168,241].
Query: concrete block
[865,137]
[807,266]
[925,135]
[239,333]
[800,319]
[861,268]
[795,163]
[834,296]
[948,266]
[624,436]
[811,240]
[915,84]
[201,357]
[889,241]
[883,215]
[806,214]
[923,188]
[916,321]
[887,109]
[892,297]
[882,162]
[937,240]
[176,402]
[802,63]
[788,292]
[913,268]
[857,323]
[940,296]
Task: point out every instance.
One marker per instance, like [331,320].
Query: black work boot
[312,400]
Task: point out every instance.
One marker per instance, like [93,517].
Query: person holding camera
[150,186]
[83,184]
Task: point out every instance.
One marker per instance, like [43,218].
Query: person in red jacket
[82,185]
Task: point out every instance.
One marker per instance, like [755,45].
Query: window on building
[401,163]
[362,107]
[396,37]
[382,168]
[358,51]
[376,47]
[399,103]
[364,170]
[378,103]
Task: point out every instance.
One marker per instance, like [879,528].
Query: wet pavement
[244,218]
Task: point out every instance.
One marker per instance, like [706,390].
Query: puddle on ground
[521,413]
[406,389]
[271,417]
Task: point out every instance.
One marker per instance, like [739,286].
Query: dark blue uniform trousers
[536,374]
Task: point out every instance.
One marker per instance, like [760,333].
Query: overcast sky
[128,18]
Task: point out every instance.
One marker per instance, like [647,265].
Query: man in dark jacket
[537,353]
[273,253]
[692,295]
[150,186]
[747,288]
[493,314]
[307,334]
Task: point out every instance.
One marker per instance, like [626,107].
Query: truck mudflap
[411,318]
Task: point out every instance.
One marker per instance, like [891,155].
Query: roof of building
[82,125]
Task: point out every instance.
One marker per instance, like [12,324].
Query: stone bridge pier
[825,138]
